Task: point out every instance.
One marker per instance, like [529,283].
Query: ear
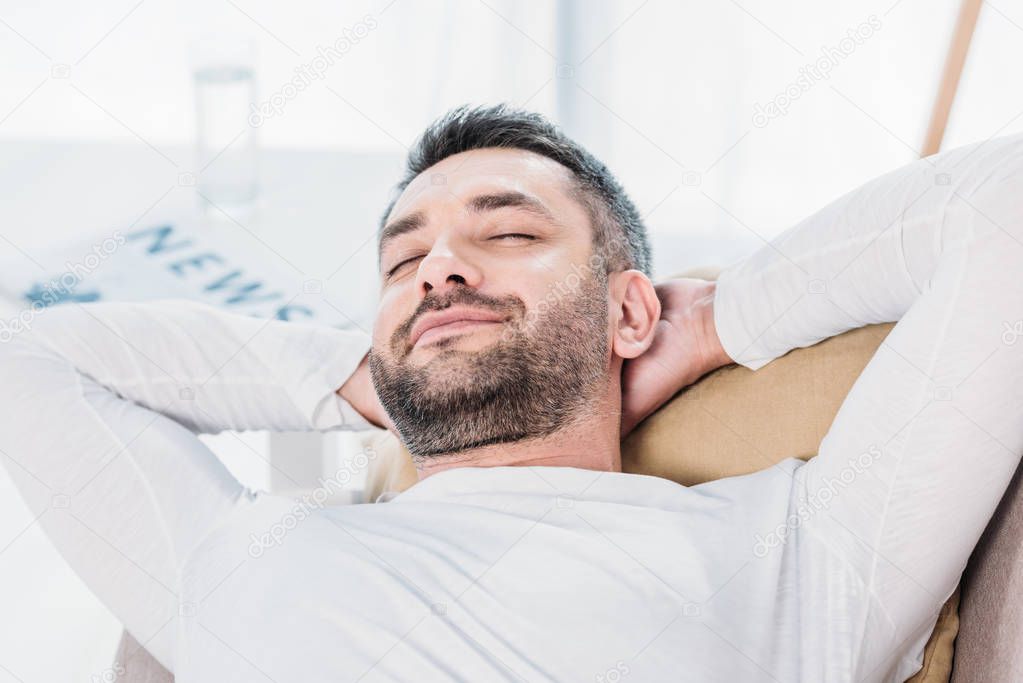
[635,310]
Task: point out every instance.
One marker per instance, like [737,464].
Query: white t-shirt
[831,570]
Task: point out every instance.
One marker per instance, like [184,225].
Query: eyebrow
[478,204]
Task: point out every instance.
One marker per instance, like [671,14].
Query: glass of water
[223,71]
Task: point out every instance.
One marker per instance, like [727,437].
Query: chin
[450,369]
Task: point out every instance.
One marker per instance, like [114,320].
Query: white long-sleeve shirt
[831,570]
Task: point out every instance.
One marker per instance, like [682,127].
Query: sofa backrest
[990,643]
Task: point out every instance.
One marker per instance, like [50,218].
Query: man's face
[493,319]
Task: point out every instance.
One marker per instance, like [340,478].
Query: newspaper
[164,259]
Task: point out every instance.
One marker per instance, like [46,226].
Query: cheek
[544,297]
[390,315]
[534,273]
[542,265]
[547,281]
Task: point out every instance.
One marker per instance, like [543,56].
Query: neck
[590,442]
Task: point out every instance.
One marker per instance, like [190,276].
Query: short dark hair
[619,234]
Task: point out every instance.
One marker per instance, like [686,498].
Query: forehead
[448,184]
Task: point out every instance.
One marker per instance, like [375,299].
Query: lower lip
[440,331]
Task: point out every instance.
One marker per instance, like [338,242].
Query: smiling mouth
[453,328]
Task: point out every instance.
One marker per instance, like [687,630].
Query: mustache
[510,305]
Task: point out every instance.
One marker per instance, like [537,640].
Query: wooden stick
[954,61]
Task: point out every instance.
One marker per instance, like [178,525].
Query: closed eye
[399,266]
[518,235]
[513,236]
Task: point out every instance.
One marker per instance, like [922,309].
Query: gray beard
[542,373]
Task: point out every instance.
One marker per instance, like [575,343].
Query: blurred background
[242,151]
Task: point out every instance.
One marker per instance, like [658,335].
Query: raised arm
[205,368]
[864,258]
[97,414]
[924,445]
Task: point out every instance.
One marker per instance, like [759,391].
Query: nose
[444,268]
